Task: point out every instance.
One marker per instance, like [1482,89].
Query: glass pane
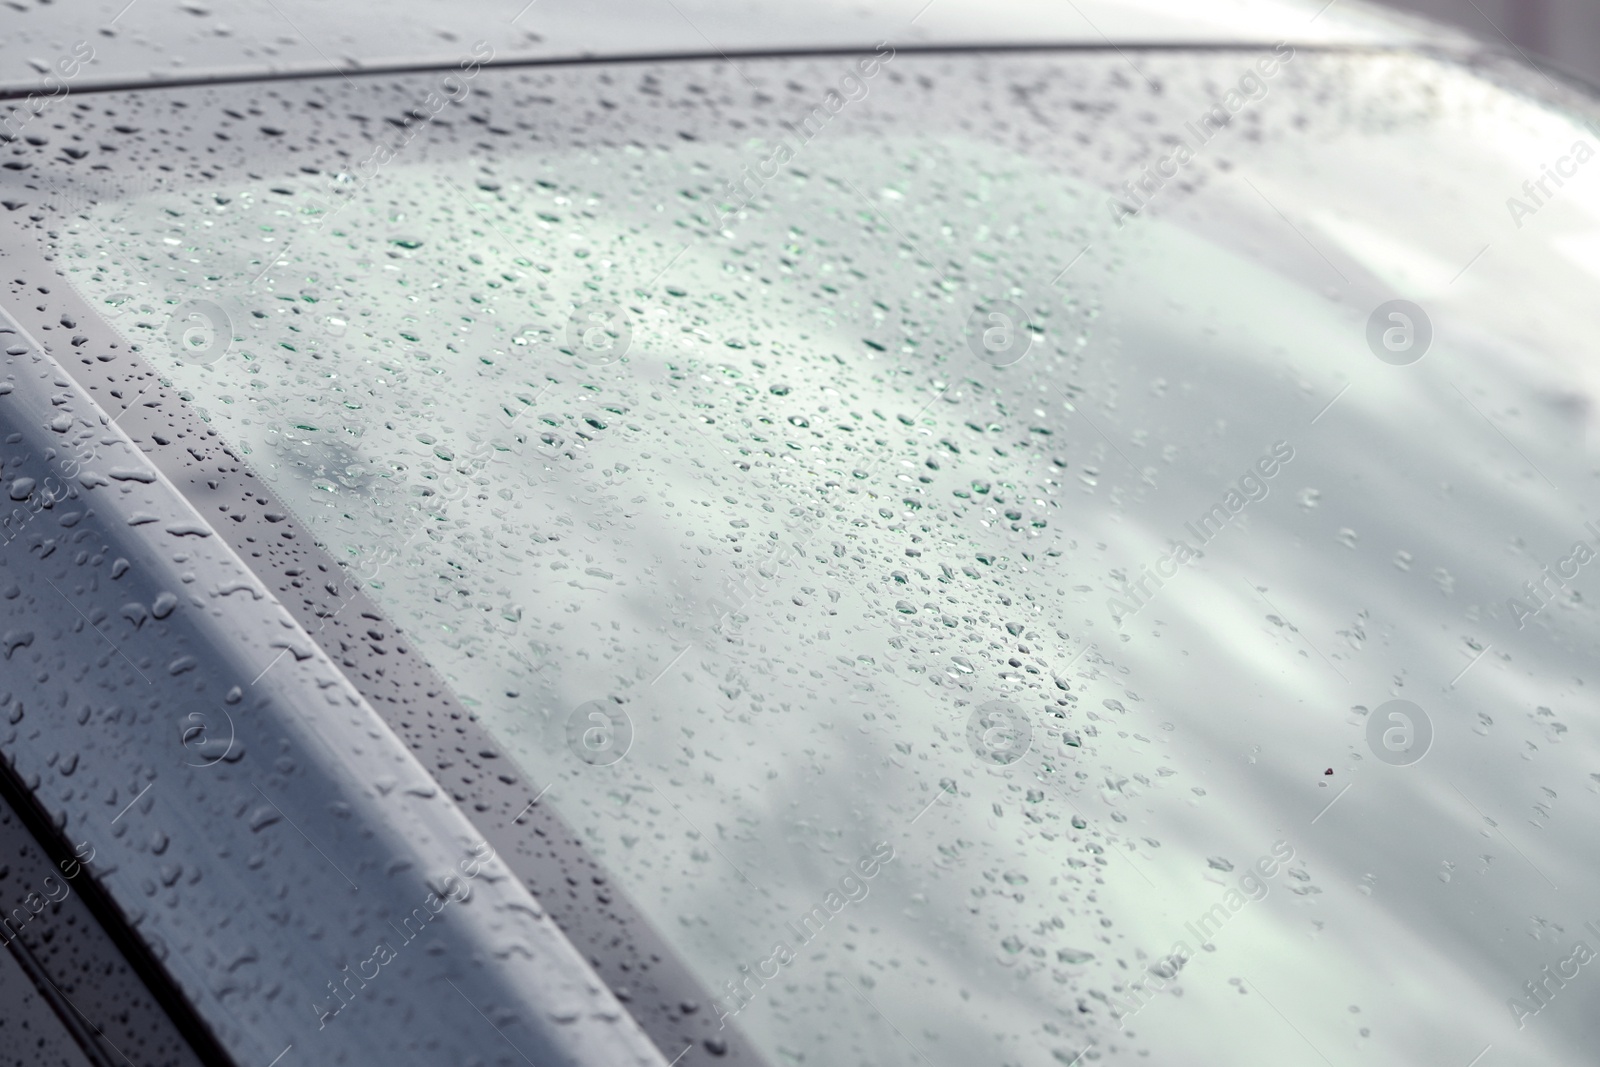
[982,555]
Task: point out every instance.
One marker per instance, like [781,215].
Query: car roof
[143,42]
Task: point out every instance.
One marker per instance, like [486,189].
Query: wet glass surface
[1000,569]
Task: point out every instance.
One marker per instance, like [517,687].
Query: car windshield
[1006,558]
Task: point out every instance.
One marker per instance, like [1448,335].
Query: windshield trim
[219,78]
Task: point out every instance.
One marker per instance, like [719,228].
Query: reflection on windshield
[974,625]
